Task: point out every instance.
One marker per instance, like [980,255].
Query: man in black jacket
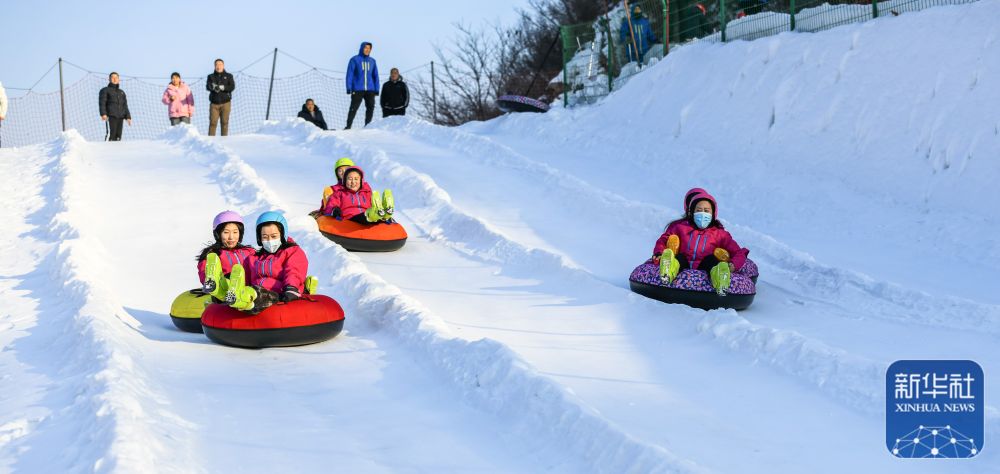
[114,108]
[395,95]
[311,113]
[220,85]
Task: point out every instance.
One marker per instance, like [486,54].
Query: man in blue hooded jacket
[636,33]
[362,83]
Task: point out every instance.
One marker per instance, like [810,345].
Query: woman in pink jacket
[277,272]
[354,200]
[227,251]
[179,100]
[698,240]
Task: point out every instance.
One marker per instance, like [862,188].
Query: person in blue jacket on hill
[362,83]
[639,37]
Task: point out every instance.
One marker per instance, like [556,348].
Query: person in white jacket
[3,105]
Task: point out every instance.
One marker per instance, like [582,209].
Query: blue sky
[142,38]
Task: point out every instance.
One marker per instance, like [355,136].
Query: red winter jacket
[228,257]
[351,203]
[274,271]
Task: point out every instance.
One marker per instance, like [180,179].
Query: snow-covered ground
[857,164]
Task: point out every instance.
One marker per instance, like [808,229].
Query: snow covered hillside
[858,165]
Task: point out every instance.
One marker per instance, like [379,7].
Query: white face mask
[271,246]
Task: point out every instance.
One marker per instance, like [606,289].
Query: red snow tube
[311,319]
[357,237]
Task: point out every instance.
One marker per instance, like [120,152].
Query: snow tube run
[312,319]
[186,310]
[693,287]
[380,237]
[520,103]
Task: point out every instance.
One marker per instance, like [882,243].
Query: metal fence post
[874,8]
[62,97]
[722,20]
[611,56]
[666,27]
[270,88]
[791,12]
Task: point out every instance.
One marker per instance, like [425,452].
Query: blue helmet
[272,217]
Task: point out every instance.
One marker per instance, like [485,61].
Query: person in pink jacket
[354,200]
[699,241]
[227,250]
[276,272]
[179,100]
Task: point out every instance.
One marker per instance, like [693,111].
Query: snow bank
[115,404]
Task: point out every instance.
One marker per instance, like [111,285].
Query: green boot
[388,204]
[375,213]
[669,266]
[240,296]
[312,284]
[721,277]
[215,284]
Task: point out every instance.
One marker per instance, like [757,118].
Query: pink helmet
[688,196]
[223,218]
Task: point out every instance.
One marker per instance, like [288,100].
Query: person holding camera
[220,85]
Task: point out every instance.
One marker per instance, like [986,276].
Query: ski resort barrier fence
[38,117]
[596,57]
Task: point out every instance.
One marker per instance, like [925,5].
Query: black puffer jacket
[395,95]
[317,120]
[220,86]
[113,103]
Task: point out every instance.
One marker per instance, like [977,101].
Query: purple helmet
[224,218]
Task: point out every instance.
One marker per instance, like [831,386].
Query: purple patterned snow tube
[694,288]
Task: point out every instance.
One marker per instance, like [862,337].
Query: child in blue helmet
[277,272]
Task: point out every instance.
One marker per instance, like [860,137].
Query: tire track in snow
[490,376]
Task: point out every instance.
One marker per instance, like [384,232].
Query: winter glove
[336,214]
[290,294]
[721,254]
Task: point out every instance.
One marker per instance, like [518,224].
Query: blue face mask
[271,246]
[702,219]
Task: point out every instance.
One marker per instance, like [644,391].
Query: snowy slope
[503,337]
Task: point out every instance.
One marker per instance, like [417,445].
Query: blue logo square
[934,409]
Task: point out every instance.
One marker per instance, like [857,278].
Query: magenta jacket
[183,103]
[228,257]
[274,271]
[351,203]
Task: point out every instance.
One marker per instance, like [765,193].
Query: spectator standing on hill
[113,105]
[220,85]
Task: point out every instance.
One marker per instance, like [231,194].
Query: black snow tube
[520,103]
[186,310]
[706,300]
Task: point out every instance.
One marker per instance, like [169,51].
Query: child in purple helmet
[228,232]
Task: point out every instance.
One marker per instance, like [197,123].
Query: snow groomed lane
[561,432]
[561,331]
[151,398]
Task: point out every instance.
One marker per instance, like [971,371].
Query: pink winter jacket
[228,257]
[274,271]
[697,244]
[183,103]
[351,203]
